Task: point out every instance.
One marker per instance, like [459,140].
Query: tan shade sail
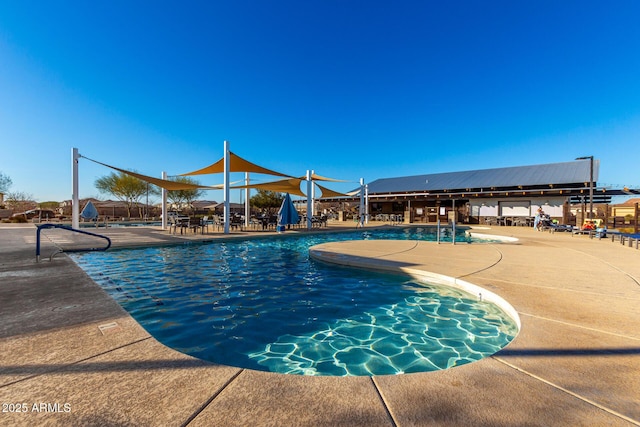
[291,186]
[162,183]
[324,178]
[236,164]
[315,177]
[327,193]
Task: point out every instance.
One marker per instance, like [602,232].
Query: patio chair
[218,222]
[195,224]
[255,223]
[272,221]
[172,225]
[182,224]
[237,222]
[205,222]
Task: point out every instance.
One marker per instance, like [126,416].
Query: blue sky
[349,88]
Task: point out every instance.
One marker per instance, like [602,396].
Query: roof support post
[453,223]
[226,181]
[591,188]
[590,158]
[75,198]
[164,203]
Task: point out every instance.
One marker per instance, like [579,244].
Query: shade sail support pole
[366,203]
[309,200]
[247,208]
[75,198]
[164,203]
[226,217]
[313,195]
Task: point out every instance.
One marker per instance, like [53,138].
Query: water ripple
[263,304]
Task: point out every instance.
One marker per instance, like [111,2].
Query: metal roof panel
[573,172]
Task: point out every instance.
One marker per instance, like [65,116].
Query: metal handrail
[66,227]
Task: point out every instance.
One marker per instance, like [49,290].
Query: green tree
[5,183]
[270,201]
[126,188]
[188,196]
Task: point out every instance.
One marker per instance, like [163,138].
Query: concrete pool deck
[69,355]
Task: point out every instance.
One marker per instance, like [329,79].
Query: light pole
[590,158]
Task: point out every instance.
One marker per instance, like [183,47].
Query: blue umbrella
[287,213]
[89,211]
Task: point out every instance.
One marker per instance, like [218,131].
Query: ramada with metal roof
[566,178]
[476,195]
[562,190]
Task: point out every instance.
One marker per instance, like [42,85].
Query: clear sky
[351,89]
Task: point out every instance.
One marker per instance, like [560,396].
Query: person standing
[537,219]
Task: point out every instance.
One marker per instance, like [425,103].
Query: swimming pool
[263,304]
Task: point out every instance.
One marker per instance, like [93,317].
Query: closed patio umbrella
[89,212]
[287,213]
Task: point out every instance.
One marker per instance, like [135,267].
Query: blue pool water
[263,304]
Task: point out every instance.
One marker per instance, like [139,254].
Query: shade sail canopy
[236,164]
[327,193]
[291,185]
[89,211]
[162,183]
[315,177]
[287,213]
[220,206]
[324,178]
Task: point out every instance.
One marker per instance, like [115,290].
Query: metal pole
[309,202]
[226,217]
[453,224]
[247,208]
[75,198]
[361,210]
[366,203]
[164,203]
[146,208]
[591,190]
[590,158]
[313,196]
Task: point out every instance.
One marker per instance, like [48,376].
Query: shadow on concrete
[120,366]
[163,364]
[569,352]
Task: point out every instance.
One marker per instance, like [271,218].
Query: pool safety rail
[626,240]
[633,241]
[74,230]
